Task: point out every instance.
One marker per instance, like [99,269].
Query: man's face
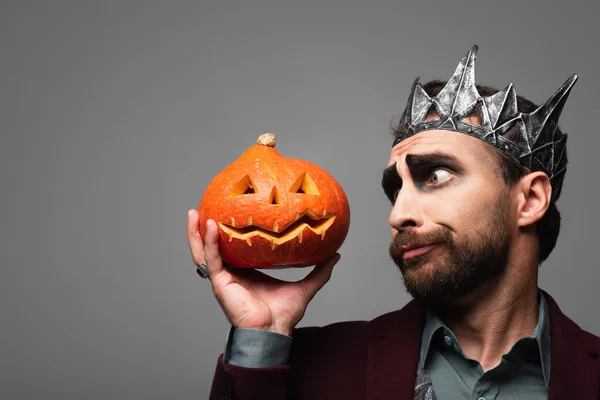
[451,220]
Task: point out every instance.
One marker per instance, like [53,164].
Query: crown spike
[418,104]
[408,110]
[459,96]
[421,104]
[502,106]
[542,123]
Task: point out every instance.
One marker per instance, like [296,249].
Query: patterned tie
[424,387]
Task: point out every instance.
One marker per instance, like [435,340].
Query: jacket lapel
[394,343]
[572,371]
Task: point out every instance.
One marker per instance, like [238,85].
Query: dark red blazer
[378,360]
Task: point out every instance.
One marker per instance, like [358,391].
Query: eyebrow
[436,159]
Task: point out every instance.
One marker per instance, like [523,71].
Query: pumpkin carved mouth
[308,219]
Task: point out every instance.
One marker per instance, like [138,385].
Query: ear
[534,192]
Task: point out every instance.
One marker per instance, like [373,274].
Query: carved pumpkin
[274,211]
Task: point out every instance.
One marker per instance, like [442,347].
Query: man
[473,176]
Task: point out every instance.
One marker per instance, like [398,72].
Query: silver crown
[531,138]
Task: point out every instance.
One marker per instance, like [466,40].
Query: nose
[407,210]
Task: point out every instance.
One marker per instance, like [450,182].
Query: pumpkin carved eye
[244,186]
[305,185]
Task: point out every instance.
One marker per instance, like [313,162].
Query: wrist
[282,329]
[287,331]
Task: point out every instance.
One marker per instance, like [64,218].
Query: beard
[455,268]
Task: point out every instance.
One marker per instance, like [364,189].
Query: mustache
[411,238]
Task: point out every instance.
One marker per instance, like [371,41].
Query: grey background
[115,116]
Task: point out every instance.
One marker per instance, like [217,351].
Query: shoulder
[345,346]
[361,329]
[565,330]
[586,341]
[591,344]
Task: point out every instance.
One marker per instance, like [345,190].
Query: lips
[415,250]
[316,223]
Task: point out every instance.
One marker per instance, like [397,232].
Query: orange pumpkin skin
[274,211]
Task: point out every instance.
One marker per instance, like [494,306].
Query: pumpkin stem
[266,139]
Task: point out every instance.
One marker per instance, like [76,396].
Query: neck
[488,322]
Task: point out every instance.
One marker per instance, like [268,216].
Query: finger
[250,276]
[318,277]
[211,251]
[194,239]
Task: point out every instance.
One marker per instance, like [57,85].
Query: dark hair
[547,227]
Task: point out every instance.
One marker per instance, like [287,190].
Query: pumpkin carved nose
[274,196]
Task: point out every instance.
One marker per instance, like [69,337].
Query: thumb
[318,277]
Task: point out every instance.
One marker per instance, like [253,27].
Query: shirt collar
[541,334]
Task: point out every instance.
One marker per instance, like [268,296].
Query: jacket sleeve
[232,382]
[324,363]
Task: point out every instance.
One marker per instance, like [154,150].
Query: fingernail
[190,213]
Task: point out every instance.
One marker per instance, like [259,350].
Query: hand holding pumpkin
[250,298]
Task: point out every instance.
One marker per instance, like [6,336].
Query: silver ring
[202,270]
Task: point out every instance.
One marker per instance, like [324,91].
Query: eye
[439,176]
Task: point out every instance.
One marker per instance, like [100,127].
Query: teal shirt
[523,373]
